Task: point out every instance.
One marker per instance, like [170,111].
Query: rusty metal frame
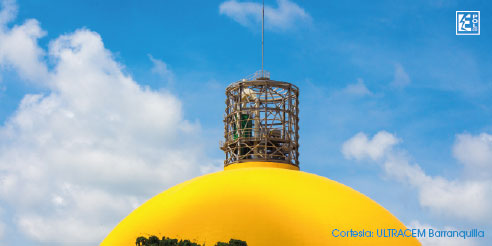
[261,122]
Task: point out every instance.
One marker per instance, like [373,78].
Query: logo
[467,22]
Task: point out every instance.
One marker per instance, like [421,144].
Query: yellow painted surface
[260,164]
[263,206]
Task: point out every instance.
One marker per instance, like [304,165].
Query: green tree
[165,241]
[153,241]
[237,242]
[141,241]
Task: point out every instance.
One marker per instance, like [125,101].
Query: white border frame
[456,22]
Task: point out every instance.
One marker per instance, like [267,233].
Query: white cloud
[440,241]
[8,11]
[465,198]
[360,147]
[401,78]
[19,50]
[475,151]
[161,68]
[358,88]
[18,45]
[286,16]
[76,160]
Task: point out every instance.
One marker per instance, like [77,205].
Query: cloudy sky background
[104,105]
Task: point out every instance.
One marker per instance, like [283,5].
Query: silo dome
[261,197]
[263,204]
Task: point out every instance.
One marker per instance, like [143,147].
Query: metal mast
[262,35]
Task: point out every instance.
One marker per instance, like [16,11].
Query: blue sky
[393,104]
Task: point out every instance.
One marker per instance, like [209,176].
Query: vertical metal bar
[238,122]
[265,88]
[284,123]
[291,144]
[297,127]
[226,132]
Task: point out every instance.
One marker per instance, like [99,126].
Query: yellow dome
[262,206]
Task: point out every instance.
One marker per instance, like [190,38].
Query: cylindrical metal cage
[261,122]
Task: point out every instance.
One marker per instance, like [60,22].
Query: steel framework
[261,121]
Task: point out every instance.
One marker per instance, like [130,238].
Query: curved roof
[262,206]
